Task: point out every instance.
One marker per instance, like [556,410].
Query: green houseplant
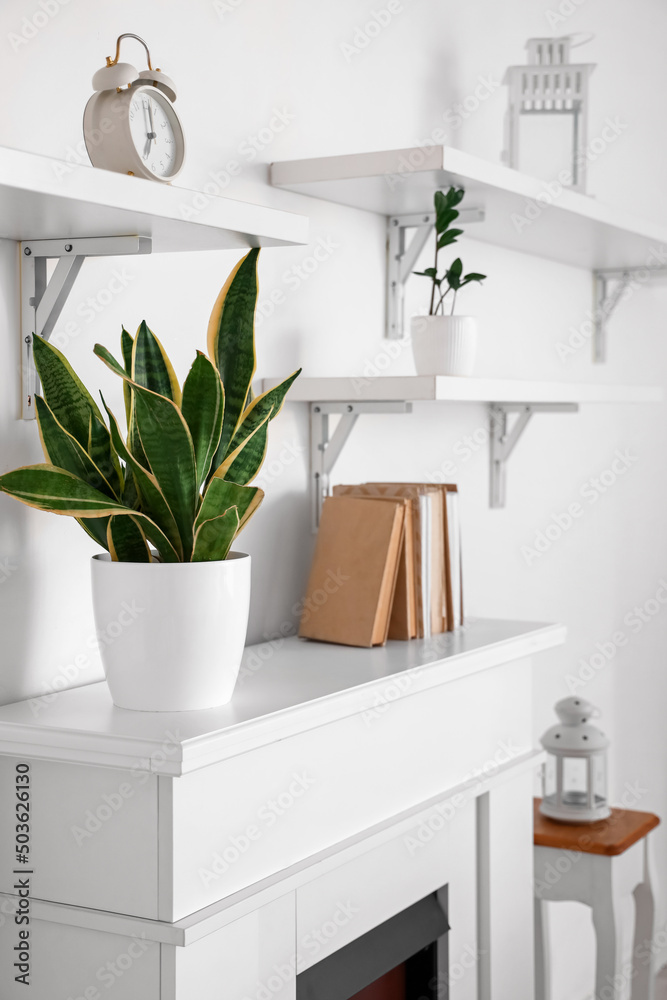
[166,500]
[443,343]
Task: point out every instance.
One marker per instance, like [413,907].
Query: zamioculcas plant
[453,278]
[179,481]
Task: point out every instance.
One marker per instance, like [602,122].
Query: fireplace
[404,958]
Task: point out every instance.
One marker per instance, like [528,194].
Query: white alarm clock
[130,124]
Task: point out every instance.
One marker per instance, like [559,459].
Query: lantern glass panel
[599,768]
[549,781]
[575,781]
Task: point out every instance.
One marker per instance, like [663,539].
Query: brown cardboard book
[436,599]
[403,620]
[453,554]
[353,576]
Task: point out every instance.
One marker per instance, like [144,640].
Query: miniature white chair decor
[574,778]
[549,84]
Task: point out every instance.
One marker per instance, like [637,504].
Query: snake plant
[179,483]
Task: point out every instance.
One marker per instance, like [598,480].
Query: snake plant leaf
[107,357]
[130,494]
[248,446]
[246,459]
[133,438]
[49,488]
[165,441]
[203,407]
[151,367]
[64,451]
[213,538]
[168,446]
[126,346]
[152,498]
[95,528]
[221,495]
[75,409]
[269,402]
[231,343]
[126,541]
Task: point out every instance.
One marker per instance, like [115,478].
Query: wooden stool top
[608,836]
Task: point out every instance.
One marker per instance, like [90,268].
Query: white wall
[236,62]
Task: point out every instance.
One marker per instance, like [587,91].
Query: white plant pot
[444,345]
[171,635]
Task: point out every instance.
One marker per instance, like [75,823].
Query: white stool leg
[607,918]
[542,953]
[643,981]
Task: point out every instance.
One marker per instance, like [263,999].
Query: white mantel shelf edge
[298,686]
[42,198]
[200,924]
[443,388]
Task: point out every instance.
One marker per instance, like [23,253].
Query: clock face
[155,132]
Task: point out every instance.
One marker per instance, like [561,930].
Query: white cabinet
[332,793]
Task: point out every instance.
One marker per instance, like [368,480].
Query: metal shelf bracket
[610,287]
[503,439]
[42,299]
[325,448]
[402,257]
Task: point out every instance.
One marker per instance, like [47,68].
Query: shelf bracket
[42,299]
[503,439]
[402,257]
[610,286]
[325,448]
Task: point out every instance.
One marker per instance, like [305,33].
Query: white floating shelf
[307,684]
[441,388]
[571,228]
[511,405]
[43,198]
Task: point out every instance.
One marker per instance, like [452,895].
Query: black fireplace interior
[405,958]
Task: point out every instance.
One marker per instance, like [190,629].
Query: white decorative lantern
[574,782]
[550,85]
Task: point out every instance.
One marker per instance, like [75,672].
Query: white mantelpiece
[337,780]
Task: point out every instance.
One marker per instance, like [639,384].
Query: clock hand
[152,134]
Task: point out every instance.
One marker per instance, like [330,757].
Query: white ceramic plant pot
[444,345]
[171,635]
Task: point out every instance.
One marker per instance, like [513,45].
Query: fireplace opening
[405,958]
